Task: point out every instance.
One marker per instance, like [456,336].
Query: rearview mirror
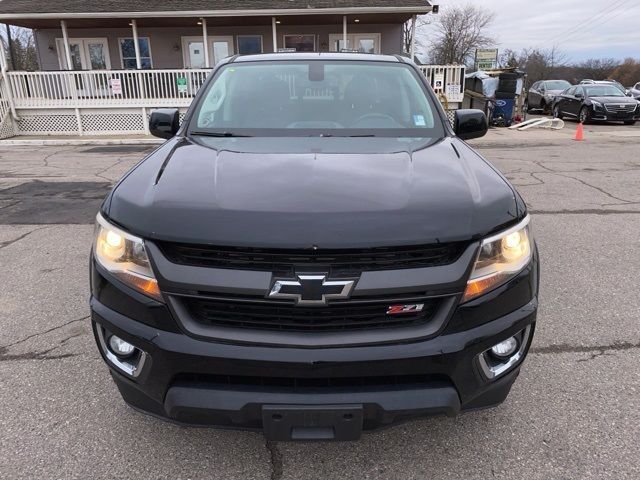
[164,122]
[470,124]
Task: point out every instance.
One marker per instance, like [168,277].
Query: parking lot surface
[574,413]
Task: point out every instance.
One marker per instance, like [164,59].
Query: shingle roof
[34,7]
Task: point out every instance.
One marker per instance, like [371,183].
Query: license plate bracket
[312,422]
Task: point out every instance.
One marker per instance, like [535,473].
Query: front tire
[556,112]
[585,115]
[544,108]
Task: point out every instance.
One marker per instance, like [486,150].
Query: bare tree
[597,68]
[627,73]
[538,64]
[23,48]
[459,31]
[421,22]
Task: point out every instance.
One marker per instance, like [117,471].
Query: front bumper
[204,382]
[602,115]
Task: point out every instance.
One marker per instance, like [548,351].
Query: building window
[302,43]
[361,42]
[248,44]
[128,53]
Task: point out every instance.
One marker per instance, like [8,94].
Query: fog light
[505,348]
[120,347]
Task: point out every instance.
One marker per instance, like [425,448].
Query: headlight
[501,257]
[596,105]
[124,255]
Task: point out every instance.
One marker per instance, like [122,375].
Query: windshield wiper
[325,135]
[218,134]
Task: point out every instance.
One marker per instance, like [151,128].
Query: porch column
[413,38]
[136,45]
[7,86]
[67,48]
[274,34]
[344,32]
[205,41]
[3,58]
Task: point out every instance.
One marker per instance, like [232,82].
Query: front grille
[288,317]
[336,262]
[626,108]
[309,382]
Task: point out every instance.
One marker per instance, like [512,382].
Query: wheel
[629,122]
[585,115]
[556,112]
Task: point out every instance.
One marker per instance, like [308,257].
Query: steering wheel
[377,116]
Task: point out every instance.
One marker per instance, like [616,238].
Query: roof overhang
[417,10]
[216,17]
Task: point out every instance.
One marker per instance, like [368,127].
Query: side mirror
[164,122]
[470,124]
[578,95]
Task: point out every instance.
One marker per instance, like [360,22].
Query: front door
[86,54]
[193,48]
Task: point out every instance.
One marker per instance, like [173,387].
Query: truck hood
[296,193]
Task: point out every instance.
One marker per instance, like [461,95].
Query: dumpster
[502,114]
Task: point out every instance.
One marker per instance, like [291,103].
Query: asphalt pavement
[574,412]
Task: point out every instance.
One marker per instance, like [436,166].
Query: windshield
[324,98]
[557,85]
[604,91]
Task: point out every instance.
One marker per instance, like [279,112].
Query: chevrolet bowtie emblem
[311,289]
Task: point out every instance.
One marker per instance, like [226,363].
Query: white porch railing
[447,81]
[96,88]
[138,88]
[108,102]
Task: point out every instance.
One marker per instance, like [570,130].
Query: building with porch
[105,65]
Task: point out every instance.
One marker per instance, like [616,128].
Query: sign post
[486,58]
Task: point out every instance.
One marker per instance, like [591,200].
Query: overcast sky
[580,28]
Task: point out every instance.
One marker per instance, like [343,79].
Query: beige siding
[166,45]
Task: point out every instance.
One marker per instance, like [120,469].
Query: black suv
[314,252]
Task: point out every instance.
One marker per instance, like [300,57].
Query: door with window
[193,50]
[86,54]
[362,42]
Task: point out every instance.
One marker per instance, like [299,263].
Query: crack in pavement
[18,342]
[587,184]
[21,237]
[594,350]
[276,460]
[4,357]
[118,162]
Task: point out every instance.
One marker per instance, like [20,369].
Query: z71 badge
[397,309]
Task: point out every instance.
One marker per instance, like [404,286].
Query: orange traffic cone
[579,133]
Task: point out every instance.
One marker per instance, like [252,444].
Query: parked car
[635,91]
[615,83]
[314,251]
[542,94]
[596,102]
